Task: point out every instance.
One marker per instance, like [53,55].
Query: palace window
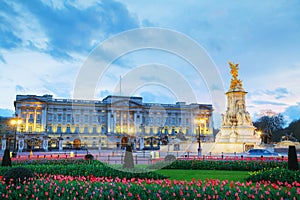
[68,130]
[166,131]
[49,129]
[69,118]
[59,117]
[77,118]
[38,118]
[31,118]
[58,129]
[151,130]
[86,118]
[103,129]
[86,130]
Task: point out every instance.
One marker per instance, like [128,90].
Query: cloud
[2,59]
[20,89]
[60,29]
[269,103]
[292,112]
[70,28]
[8,40]
[278,93]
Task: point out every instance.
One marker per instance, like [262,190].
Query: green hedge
[83,168]
[218,165]
[275,175]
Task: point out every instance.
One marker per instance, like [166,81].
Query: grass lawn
[204,174]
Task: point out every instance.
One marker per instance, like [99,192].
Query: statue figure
[248,119]
[234,70]
[240,114]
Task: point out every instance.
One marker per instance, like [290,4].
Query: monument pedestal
[237,133]
[232,147]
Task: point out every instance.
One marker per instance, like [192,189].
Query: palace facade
[50,123]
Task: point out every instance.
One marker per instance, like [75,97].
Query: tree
[270,125]
[294,128]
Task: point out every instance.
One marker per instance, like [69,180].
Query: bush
[128,159]
[170,158]
[292,159]
[86,168]
[219,165]
[17,175]
[6,160]
[89,157]
[275,175]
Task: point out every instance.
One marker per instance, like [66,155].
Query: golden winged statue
[235,82]
[234,69]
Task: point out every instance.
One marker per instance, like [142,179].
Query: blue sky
[44,44]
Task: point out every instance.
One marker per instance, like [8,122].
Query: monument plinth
[237,132]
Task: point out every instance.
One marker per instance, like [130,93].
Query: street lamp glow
[15,122]
[201,121]
[259,132]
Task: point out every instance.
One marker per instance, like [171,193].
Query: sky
[45,45]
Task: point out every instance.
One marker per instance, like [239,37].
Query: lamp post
[199,123]
[15,122]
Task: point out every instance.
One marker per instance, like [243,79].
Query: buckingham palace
[52,123]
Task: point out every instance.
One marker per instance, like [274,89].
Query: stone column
[44,120]
[26,121]
[34,121]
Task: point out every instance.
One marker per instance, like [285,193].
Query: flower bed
[81,187]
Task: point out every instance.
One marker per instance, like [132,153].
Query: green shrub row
[274,175]
[218,165]
[86,168]
[50,161]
